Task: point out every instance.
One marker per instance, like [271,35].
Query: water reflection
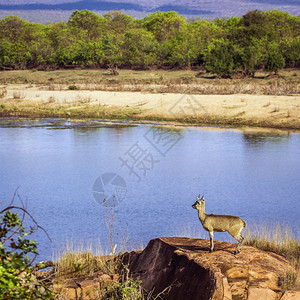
[259,138]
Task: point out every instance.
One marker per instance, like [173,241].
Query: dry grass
[278,239]
[80,259]
[157,81]
[83,98]
[51,99]
[287,281]
[81,110]
[3,92]
[19,95]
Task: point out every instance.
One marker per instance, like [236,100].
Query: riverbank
[33,101]
[175,268]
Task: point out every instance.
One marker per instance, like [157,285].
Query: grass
[279,240]
[287,281]
[19,95]
[79,259]
[85,110]
[80,110]
[3,92]
[77,262]
[156,81]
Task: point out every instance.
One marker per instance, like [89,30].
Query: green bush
[129,289]
[219,57]
[73,87]
[17,252]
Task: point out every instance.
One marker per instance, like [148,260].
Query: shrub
[17,254]
[73,87]
[219,57]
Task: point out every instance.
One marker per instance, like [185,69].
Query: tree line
[258,40]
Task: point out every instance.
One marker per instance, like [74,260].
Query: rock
[293,294]
[85,288]
[261,293]
[183,268]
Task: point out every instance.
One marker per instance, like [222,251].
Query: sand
[278,111]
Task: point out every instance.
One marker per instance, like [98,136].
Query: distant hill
[45,11]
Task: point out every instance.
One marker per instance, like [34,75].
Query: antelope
[220,223]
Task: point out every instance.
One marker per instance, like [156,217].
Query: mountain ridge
[42,11]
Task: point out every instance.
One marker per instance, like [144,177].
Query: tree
[118,22]
[112,50]
[183,50]
[12,28]
[139,48]
[163,25]
[291,52]
[88,23]
[273,60]
[59,34]
[5,54]
[219,57]
[248,58]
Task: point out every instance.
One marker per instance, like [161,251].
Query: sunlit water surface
[252,174]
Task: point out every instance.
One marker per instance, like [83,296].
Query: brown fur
[220,223]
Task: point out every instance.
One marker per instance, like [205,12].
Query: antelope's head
[199,202]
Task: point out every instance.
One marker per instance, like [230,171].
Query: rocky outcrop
[183,268]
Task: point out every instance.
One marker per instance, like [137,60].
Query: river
[70,173]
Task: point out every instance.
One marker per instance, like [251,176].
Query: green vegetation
[17,252]
[72,87]
[259,40]
[129,289]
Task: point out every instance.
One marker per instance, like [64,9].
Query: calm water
[251,174]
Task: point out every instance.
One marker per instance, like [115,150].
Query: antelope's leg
[240,239]
[211,235]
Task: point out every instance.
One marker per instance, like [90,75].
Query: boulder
[84,288]
[183,268]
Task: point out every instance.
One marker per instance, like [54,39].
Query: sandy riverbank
[238,109]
